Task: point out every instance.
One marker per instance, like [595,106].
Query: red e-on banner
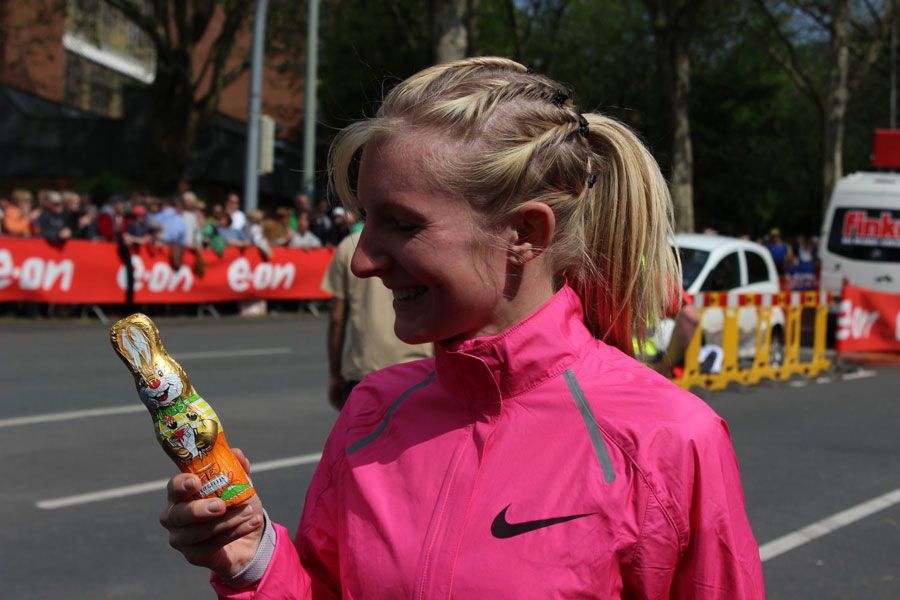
[869,321]
[82,272]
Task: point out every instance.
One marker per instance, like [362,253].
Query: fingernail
[247,511]
[213,506]
[254,522]
[188,485]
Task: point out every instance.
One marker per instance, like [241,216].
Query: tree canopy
[749,86]
[758,145]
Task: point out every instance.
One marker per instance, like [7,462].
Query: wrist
[252,572]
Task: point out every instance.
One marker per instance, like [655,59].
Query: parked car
[713,263]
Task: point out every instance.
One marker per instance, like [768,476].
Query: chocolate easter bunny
[186,426]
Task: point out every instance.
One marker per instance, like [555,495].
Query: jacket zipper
[437,525]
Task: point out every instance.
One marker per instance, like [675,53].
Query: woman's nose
[368,259]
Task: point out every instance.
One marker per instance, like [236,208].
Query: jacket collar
[544,344]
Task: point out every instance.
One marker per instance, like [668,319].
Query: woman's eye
[159,372]
[405,226]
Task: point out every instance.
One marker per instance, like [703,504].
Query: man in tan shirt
[362,313]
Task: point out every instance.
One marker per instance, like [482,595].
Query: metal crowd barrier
[762,367]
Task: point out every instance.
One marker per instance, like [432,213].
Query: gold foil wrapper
[185,425]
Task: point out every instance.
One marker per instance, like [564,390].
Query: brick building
[73,87]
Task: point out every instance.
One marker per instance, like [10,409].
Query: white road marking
[827,525]
[823,379]
[160,484]
[232,353]
[74,414]
[861,374]
[116,410]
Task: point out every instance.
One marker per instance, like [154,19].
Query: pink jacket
[539,463]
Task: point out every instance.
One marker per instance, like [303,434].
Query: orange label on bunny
[191,434]
[185,425]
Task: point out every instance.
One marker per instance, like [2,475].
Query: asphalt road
[83,490]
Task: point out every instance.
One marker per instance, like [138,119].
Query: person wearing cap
[778,249]
[137,231]
[54,222]
[340,226]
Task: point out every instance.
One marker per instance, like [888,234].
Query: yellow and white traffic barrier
[777,326]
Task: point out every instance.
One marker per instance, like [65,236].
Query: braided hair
[510,136]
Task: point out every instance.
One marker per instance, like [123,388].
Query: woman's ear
[534,224]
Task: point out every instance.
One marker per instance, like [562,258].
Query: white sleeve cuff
[256,568]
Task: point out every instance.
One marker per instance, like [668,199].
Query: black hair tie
[583,125]
[591,180]
[559,98]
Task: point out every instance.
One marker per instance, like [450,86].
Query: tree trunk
[173,124]
[836,103]
[673,62]
[471,25]
[682,184]
[451,35]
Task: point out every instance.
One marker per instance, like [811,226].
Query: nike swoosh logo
[503,529]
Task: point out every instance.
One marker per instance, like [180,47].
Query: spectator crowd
[182,222]
[185,222]
[796,259]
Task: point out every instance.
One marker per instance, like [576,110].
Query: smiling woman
[408,226]
[532,457]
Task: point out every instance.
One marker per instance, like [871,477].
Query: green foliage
[366,47]
[869,110]
[757,138]
[756,141]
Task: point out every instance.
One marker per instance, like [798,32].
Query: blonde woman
[532,457]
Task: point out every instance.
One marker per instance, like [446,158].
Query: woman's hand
[205,532]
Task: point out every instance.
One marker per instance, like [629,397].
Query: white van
[860,240]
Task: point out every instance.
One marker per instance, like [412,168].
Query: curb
[869,358]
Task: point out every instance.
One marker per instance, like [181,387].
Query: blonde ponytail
[626,282]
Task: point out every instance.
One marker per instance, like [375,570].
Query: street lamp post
[254,108]
[309,100]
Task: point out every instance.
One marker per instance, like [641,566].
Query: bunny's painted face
[160,381]
[159,386]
